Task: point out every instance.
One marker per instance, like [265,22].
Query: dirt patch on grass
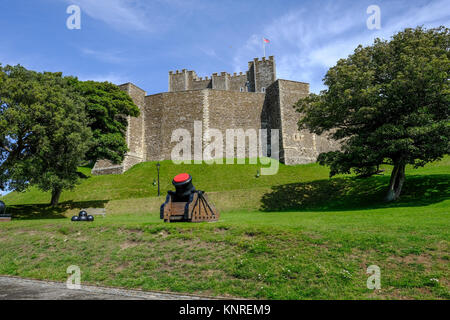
[219,274]
[220,230]
[164,234]
[314,236]
[128,245]
[135,232]
[422,259]
[402,294]
[121,267]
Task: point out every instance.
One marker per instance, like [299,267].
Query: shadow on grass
[355,194]
[44,211]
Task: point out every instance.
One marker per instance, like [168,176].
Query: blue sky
[140,41]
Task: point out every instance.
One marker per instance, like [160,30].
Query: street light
[157,167]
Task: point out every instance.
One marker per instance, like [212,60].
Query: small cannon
[187,204]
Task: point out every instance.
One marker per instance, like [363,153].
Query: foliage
[107,108]
[50,124]
[43,131]
[386,103]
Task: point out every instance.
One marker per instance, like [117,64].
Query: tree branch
[7,149]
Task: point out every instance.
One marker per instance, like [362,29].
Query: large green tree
[50,124]
[107,108]
[44,131]
[388,103]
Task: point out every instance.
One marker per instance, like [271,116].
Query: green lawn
[296,235]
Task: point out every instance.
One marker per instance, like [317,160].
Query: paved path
[12,288]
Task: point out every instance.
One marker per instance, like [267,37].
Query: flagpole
[264,47]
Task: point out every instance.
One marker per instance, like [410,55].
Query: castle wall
[238,81]
[166,112]
[136,126]
[216,109]
[299,147]
[178,80]
[232,109]
[251,74]
[102,167]
[201,83]
[221,82]
[236,110]
[271,115]
[154,110]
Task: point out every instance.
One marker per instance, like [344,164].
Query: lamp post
[157,167]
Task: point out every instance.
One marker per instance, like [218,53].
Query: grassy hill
[295,235]
[138,181]
[236,187]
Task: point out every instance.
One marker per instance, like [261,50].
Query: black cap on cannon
[183,186]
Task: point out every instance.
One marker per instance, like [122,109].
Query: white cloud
[138,15]
[120,14]
[110,77]
[104,56]
[307,43]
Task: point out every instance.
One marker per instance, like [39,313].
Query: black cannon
[186,204]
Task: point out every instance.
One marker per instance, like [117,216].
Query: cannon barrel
[183,187]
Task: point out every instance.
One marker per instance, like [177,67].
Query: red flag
[266,40]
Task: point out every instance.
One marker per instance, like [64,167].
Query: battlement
[177,71]
[260,75]
[262,60]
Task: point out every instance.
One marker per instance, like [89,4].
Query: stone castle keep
[251,100]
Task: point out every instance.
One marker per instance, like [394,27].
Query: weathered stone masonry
[253,100]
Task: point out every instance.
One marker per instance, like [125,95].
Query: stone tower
[261,74]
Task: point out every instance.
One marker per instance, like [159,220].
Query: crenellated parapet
[260,75]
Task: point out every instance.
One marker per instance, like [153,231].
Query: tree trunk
[56,193]
[396,183]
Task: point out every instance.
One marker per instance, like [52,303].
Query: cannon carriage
[187,204]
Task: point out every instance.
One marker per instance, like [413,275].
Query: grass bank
[297,235]
[274,255]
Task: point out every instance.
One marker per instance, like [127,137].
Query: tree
[44,131]
[387,103]
[50,124]
[107,108]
